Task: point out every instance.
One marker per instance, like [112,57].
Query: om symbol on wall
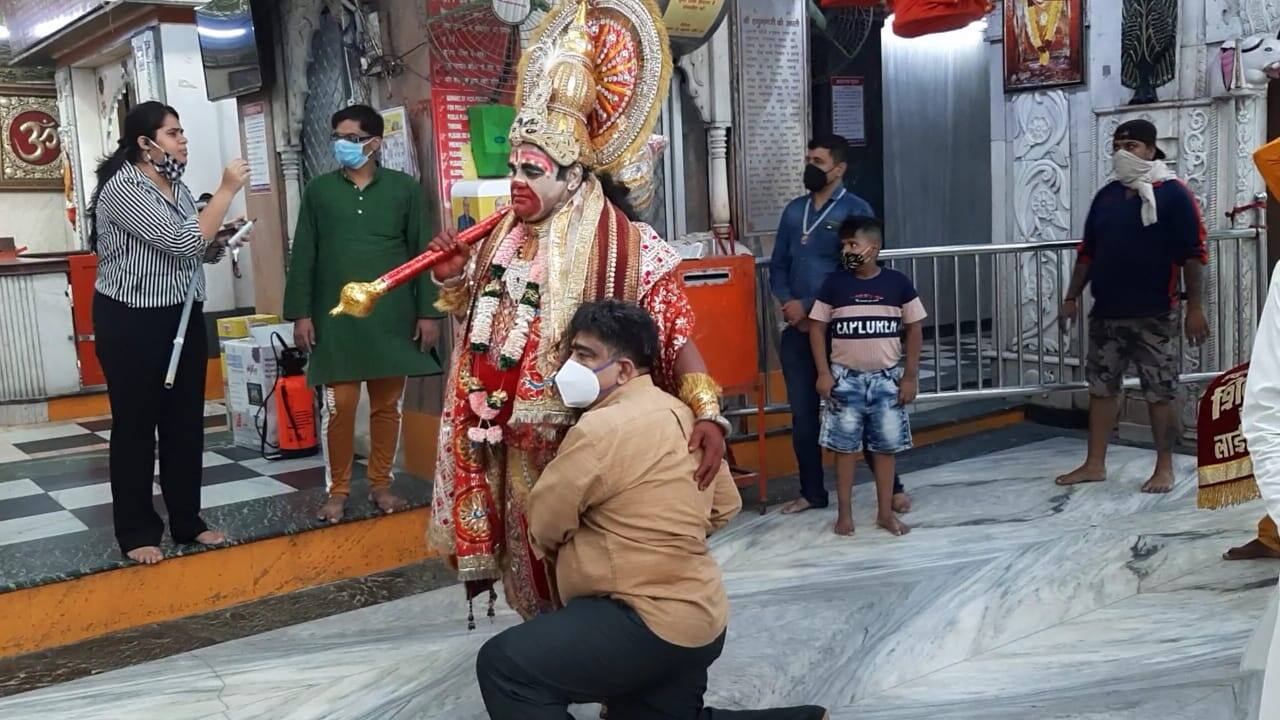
[33,138]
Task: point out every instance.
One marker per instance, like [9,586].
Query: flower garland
[491,297]
[486,407]
[513,348]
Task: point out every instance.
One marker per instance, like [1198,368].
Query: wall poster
[397,142]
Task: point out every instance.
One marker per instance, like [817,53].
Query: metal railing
[993,329]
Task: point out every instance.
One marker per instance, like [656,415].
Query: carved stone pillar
[1042,213]
[291,171]
[1250,109]
[299,19]
[1259,17]
[71,149]
[718,175]
[710,85]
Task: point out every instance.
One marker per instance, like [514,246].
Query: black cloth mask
[814,178]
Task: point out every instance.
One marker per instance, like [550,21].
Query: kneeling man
[619,514]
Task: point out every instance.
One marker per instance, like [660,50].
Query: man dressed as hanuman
[590,89]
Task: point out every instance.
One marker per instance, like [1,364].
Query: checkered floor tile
[80,499]
[32,442]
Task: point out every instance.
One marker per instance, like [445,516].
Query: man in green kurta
[356,223]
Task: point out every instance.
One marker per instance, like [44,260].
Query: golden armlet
[701,394]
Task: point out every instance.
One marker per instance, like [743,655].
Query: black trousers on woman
[133,346]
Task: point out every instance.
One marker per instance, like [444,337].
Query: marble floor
[1013,598]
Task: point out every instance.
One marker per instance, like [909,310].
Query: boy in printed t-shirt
[856,330]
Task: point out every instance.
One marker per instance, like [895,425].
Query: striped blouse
[149,247]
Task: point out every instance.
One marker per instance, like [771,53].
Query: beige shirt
[621,515]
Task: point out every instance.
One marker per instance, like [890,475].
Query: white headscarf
[1141,175]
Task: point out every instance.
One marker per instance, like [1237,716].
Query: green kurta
[347,234]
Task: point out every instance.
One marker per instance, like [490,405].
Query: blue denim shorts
[864,413]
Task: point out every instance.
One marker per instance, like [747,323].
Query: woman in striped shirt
[151,243]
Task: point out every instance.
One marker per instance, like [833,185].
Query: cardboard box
[251,373]
[234,328]
[262,334]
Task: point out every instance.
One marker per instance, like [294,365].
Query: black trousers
[133,346]
[599,650]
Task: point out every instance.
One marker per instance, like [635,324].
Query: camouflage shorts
[1150,344]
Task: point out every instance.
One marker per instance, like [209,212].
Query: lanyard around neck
[809,203]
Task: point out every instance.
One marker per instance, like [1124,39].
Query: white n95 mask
[577,384]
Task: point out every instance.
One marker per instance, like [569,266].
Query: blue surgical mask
[349,154]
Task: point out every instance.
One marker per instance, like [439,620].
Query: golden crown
[593,82]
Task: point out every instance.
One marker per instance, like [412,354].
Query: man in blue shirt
[805,251]
[1142,239]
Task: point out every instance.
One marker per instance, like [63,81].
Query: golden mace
[357,298]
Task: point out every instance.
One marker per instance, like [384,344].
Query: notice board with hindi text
[848,108]
[772,81]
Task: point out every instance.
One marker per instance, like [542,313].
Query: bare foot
[1159,484]
[211,537]
[1252,550]
[1081,475]
[387,501]
[901,503]
[333,509]
[893,525]
[147,555]
[798,505]
[844,525]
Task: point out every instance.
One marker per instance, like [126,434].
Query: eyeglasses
[358,139]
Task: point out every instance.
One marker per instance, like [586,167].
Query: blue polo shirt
[1134,269]
[798,268]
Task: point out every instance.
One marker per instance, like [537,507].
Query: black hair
[834,144]
[619,195]
[614,191]
[142,121]
[855,224]
[623,327]
[370,120]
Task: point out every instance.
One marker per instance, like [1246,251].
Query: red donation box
[914,18]
[722,291]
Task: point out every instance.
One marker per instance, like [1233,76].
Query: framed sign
[848,108]
[1043,44]
[31,157]
[253,119]
[772,132]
